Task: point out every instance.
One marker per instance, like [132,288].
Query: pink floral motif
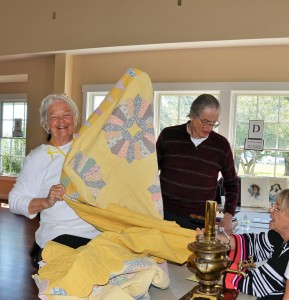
[129,130]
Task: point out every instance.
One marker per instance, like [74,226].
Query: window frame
[263,92]
[226,91]
[21,97]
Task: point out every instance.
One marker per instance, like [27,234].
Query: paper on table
[262,220]
[259,225]
[193,278]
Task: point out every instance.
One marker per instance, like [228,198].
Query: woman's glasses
[274,207]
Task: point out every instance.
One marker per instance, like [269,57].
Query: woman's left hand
[226,222]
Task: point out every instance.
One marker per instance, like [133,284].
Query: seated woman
[286,295]
[266,282]
[37,189]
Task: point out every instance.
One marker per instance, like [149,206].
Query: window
[274,110]
[240,103]
[13,114]
[93,100]
[173,108]
[92,97]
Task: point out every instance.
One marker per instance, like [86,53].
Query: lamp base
[224,294]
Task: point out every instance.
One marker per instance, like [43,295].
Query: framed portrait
[254,192]
[276,184]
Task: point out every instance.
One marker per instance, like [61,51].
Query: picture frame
[254,192]
[276,184]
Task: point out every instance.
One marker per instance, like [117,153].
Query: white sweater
[42,169]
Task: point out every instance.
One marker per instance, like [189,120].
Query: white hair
[50,99]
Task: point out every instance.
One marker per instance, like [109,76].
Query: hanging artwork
[254,191]
[276,184]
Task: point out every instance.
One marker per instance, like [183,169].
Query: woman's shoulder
[38,153]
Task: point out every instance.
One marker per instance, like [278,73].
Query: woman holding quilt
[38,188]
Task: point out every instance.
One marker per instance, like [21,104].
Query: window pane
[7,128]
[19,110]
[174,109]
[96,101]
[268,108]
[169,108]
[185,105]
[270,135]
[12,149]
[283,142]
[280,163]
[284,109]
[246,108]
[241,134]
[7,111]
[274,110]
[265,165]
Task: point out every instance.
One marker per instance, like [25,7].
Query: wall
[6,184]
[40,83]
[34,26]
[249,64]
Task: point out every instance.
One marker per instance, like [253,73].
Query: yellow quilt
[111,180]
[113,159]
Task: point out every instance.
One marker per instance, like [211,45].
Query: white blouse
[42,169]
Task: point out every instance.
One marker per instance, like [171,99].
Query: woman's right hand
[56,193]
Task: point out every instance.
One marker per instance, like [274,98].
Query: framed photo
[254,191]
[276,184]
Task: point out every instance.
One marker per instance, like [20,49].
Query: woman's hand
[199,231]
[56,193]
[226,222]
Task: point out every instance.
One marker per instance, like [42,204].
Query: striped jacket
[266,281]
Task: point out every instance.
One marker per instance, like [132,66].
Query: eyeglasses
[275,208]
[209,124]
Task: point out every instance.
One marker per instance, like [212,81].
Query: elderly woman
[286,295]
[37,189]
[266,281]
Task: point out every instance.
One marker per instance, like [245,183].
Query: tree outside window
[274,159]
[12,148]
[174,109]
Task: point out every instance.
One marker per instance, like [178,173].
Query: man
[190,157]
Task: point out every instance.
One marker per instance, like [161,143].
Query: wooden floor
[16,239]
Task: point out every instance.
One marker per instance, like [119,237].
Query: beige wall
[28,26]
[6,184]
[40,83]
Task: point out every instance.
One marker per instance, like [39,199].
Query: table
[179,286]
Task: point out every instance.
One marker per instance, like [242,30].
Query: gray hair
[203,101]
[283,197]
[50,99]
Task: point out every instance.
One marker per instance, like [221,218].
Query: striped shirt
[266,281]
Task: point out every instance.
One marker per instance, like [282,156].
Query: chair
[221,191]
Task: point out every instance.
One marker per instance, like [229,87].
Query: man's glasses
[209,124]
